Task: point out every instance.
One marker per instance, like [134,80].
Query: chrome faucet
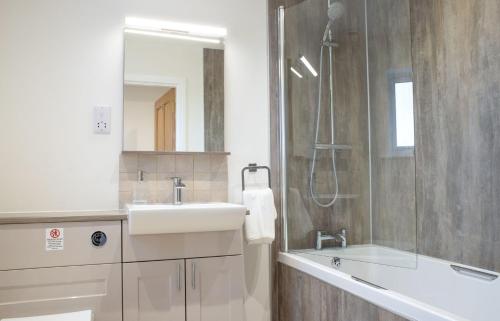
[340,236]
[177,190]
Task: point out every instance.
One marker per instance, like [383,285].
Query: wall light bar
[175,27]
[308,66]
[296,72]
[171,35]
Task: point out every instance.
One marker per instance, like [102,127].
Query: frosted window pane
[404,114]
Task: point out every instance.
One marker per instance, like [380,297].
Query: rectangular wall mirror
[173,95]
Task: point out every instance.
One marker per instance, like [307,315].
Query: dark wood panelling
[456,58]
[393,174]
[303,297]
[213,88]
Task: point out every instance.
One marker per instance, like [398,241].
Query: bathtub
[424,289]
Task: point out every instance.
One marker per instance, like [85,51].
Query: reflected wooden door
[165,122]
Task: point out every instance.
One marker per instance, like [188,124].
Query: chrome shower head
[335,11]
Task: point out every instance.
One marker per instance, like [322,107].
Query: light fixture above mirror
[175,30]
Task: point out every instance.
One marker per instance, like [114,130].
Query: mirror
[173,95]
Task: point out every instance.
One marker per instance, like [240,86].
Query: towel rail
[252,168]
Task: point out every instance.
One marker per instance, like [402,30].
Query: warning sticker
[54,239]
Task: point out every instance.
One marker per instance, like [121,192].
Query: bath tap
[340,236]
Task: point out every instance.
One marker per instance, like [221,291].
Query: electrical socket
[102,119]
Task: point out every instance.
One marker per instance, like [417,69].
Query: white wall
[59,58]
[139,116]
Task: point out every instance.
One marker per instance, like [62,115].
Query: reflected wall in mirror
[173,94]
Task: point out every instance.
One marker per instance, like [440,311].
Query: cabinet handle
[193,275]
[179,277]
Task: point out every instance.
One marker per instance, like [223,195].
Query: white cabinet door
[214,289]
[154,291]
[30,292]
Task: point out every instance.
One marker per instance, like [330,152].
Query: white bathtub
[426,289]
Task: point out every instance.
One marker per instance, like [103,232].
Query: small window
[401,122]
[404,114]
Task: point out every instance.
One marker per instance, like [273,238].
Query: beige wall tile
[202,196]
[218,163]
[165,187]
[202,163]
[218,195]
[164,195]
[188,196]
[164,180]
[148,163]
[205,177]
[184,163]
[128,163]
[218,176]
[202,181]
[219,185]
[166,164]
[127,181]
[151,186]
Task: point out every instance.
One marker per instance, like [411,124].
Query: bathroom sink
[185,218]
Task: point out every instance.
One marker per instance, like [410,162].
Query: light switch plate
[102,119]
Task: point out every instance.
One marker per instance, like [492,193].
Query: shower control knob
[99,238]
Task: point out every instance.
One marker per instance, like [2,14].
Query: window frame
[395,76]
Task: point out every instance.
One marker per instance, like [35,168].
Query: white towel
[75,316]
[259,225]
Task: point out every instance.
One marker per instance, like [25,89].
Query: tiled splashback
[205,176]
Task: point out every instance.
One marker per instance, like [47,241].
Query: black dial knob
[99,238]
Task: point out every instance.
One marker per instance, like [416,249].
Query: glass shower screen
[347,131]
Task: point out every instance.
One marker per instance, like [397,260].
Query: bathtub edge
[387,299]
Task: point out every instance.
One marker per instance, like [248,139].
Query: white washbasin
[185,218]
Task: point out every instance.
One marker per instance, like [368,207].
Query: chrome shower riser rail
[331,146]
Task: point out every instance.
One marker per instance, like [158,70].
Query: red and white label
[54,239]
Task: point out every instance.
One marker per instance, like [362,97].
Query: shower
[335,11]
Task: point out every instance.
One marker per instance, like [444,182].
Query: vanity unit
[192,276]
[61,266]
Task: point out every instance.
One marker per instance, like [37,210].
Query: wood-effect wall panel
[393,171]
[456,58]
[303,297]
[213,99]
